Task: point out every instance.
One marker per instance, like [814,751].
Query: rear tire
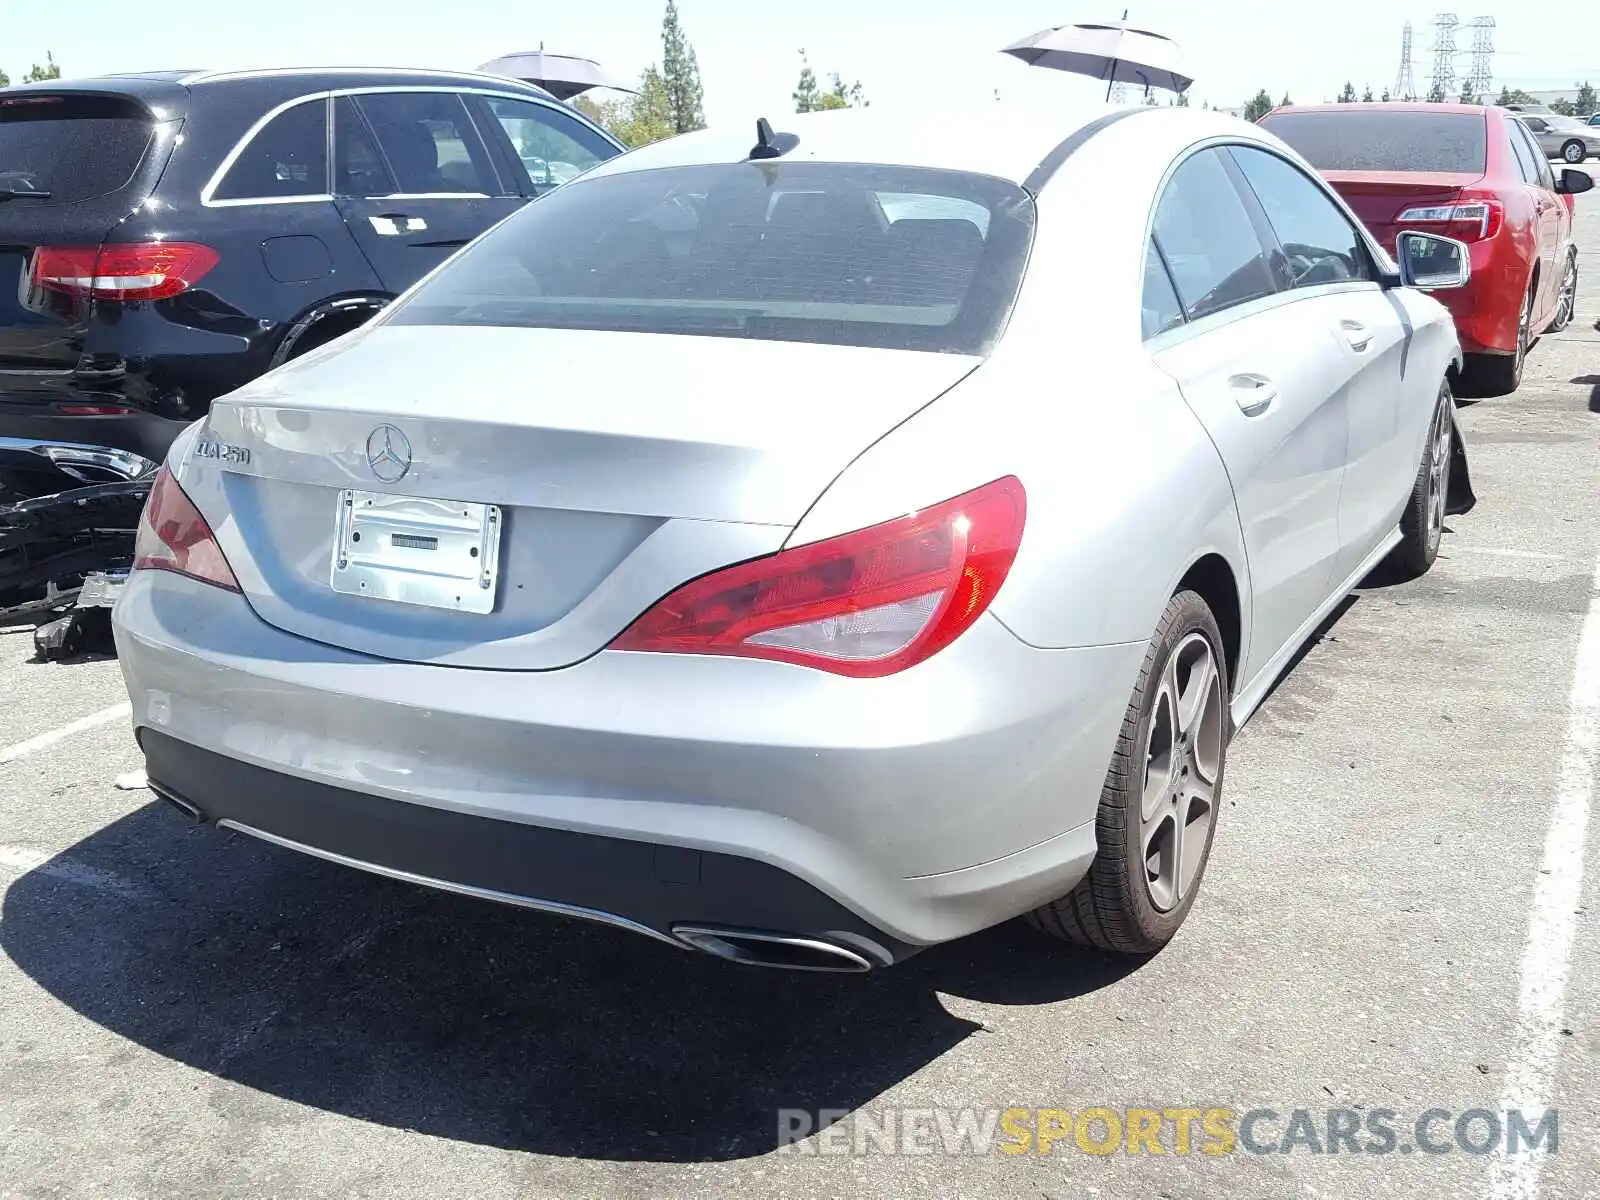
[1574,152]
[1422,522]
[1159,805]
[1500,374]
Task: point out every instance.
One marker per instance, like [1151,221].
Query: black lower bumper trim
[640,885]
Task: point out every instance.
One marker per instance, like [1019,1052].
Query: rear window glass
[1386,141]
[75,148]
[855,255]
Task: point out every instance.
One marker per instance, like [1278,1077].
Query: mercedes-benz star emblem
[388,453]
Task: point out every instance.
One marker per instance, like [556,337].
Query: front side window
[287,158]
[552,147]
[429,144]
[1320,245]
[1210,244]
[894,257]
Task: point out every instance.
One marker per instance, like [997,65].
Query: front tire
[1422,522]
[1159,806]
[1574,152]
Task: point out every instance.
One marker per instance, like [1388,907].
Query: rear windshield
[1386,141]
[810,252]
[74,147]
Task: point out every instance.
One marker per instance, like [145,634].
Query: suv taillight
[1468,219]
[126,271]
[173,536]
[864,604]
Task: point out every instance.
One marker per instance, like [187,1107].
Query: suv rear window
[1386,141]
[74,147]
[812,252]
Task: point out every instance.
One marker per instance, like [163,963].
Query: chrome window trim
[327,97]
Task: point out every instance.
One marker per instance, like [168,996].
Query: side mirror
[1573,182]
[1431,263]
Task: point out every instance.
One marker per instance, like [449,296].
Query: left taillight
[173,536]
[865,604]
[128,271]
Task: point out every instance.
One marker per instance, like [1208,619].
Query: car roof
[1002,140]
[1399,106]
[169,84]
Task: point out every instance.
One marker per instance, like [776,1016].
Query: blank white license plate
[408,550]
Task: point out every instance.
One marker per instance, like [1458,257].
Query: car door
[1260,367]
[1550,216]
[1329,266]
[539,146]
[413,180]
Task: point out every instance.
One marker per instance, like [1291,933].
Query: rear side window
[287,158]
[430,143]
[1319,244]
[74,147]
[812,252]
[1208,239]
[1387,140]
[551,147]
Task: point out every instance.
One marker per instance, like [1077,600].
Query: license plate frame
[411,550]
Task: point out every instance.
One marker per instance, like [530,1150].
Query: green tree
[1436,94]
[680,73]
[1467,96]
[1564,106]
[649,116]
[1386,95]
[1348,95]
[807,95]
[38,74]
[1366,96]
[1514,96]
[840,96]
[5,80]
[1587,102]
[1183,100]
[1260,105]
[1286,102]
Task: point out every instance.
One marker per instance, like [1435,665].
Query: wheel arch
[349,312]
[1212,578]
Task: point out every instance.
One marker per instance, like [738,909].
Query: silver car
[1561,137]
[810,546]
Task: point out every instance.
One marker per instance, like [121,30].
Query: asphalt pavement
[1398,916]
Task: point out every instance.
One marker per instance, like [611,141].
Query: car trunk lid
[618,465]
[1380,197]
[72,165]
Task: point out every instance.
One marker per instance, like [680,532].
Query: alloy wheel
[1439,448]
[1573,152]
[1567,303]
[1183,764]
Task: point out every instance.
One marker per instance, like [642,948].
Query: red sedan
[1470,173]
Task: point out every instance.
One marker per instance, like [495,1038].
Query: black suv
[166,237]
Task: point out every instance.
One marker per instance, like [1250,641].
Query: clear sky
[748,49]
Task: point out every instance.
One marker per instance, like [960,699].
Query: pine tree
[1348,95]
[1366,96]
[1259,106]
[1467,96]
[680,72]
[1286,102]
[5,80]
[1183,100]
[806,92]
[38,74]
[1585,103]
[1385,96]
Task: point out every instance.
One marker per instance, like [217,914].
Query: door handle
[397,224]
[1356,334]
[1253,394]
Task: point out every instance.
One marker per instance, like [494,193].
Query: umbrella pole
[1111,80]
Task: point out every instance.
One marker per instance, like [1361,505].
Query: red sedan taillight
[1469,219]
[864,604]
[129,271]
[173,536]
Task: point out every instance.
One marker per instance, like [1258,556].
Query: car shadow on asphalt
[1594,387]
[462,1019]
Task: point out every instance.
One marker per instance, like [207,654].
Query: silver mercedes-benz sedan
[807,545]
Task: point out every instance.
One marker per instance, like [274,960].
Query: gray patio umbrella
[1113,52]
[562,75]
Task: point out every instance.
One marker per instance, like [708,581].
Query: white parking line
[23,749]
[25,858]
[1553,922]
[1499,552]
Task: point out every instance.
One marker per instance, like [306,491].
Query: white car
[807,545]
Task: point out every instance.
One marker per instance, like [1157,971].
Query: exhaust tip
[783,951]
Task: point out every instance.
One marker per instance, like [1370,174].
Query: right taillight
[1466,220]
[863,604]
[173,536]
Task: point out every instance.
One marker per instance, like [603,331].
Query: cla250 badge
[222,451]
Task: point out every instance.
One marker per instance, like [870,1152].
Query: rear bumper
[1486,311]
[904,811]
